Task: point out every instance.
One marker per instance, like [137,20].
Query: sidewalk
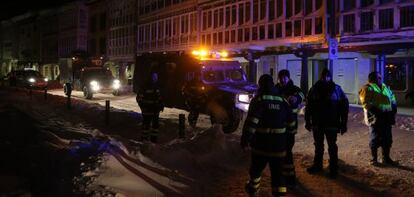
[401,110]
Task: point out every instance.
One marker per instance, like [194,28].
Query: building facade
[122,38]
[48,24]
[275,34]
[98,31]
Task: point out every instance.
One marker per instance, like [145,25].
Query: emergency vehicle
[91,80]
[225,83]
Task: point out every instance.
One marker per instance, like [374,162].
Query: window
[209,19]
[308,27]
[395,75]
[233,36]
[248,6]
[349,23]
[318,25]
[255,10]
[216,18]
[262,9]
[102,45]
[208,40]
[254,33]
[221,17]
[262,34]
[365,3]
[407,16]
[220,37]
[298,6]
[279,8]
[298,28]
[233,15]
[204,20]
[270,31]
[241,14]
[279,30]
[349,5]
[386,19]
[215,39]
[288,29]
[308,7]
[227,37]
[240,35]
[272,9]
[367,21]
[289,8]
[247,34]
[228,16]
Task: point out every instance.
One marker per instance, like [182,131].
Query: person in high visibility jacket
[380,107]
[294,95]
[195,96]
[265,131]
[150,101]
[326,114]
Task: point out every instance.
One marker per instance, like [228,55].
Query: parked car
[26,79]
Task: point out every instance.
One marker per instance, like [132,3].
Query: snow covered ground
[206,162]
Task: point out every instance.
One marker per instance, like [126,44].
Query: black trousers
[258,164]
[318,137]
[150,124]
[380,136]
[288,166]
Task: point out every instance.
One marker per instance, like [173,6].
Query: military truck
[227,89]
[91,80]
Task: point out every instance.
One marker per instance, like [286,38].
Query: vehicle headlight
[116,84]
[244,98]
[32,80]
[94,85]
[46,79]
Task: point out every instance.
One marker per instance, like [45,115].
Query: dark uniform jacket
[291,90]
[195,94]
[265,126]
[149,99]
[326,106]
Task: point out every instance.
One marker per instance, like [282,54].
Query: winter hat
[266,82]
[326,72]
[283,72]
[372,77]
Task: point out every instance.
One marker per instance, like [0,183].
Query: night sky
[9,8]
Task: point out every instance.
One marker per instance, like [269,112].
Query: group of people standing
[272,123]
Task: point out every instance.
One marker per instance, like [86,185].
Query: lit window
[395,75]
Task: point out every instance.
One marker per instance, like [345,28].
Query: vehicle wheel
[230,119]
[87,93]
[116,93]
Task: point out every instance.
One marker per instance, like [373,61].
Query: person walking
[265,131]
[294,95]
[150,101]
[326,114]
[195,98]
[380,108]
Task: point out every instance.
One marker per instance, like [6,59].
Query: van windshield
[235,75]
[213,75]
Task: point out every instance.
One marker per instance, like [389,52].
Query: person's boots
[333,168]
[374,154]
[386,157]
